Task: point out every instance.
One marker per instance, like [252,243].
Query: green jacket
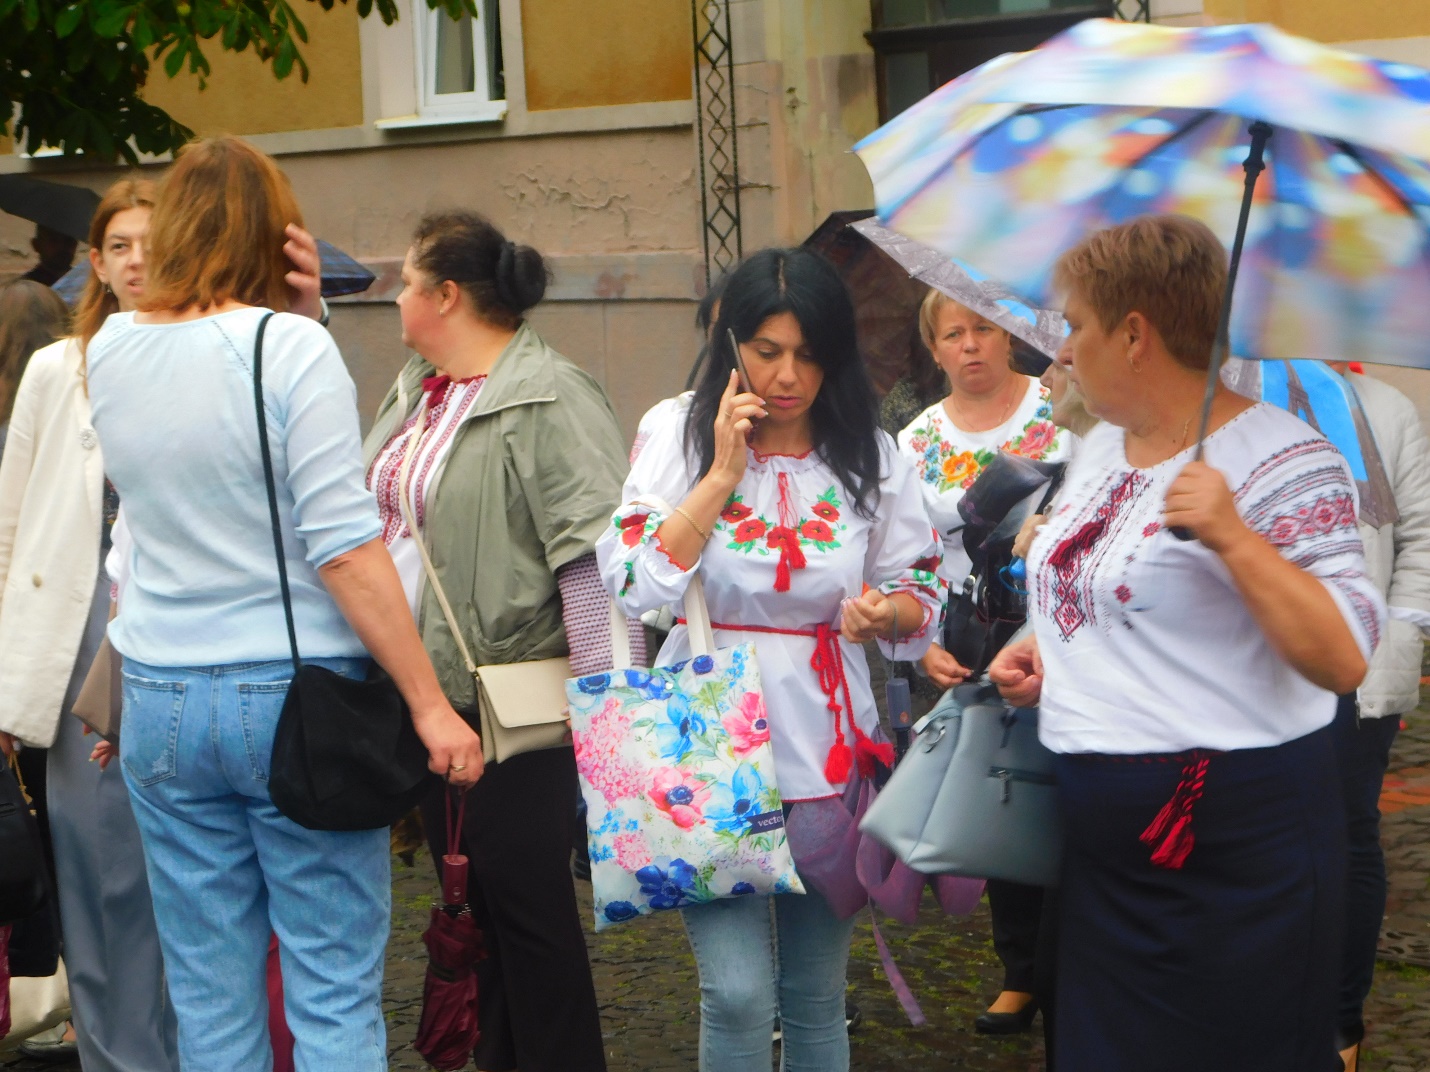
[532,479]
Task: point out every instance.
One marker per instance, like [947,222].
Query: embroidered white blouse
[1147,646]
[788,548]
[452,402]
[948,460]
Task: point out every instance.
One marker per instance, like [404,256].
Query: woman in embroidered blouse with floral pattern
[811,538]
[989,408]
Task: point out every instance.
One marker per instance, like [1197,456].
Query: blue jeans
[759,960]
[227,870]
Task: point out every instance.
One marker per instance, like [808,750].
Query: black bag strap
[272,489]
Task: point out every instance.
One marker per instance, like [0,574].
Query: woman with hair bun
[518,459]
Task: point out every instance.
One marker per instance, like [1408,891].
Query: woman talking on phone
[810,537]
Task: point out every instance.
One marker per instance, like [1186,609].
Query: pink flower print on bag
[679,795]
[747,726]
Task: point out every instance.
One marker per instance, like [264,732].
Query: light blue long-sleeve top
[173,407]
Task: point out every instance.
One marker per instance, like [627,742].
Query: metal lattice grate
[715,136]
[1133,10]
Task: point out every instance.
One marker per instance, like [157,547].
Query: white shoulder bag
[522,706]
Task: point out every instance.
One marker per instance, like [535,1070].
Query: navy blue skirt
[1230,962]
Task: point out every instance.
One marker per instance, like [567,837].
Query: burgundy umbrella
[449,1028]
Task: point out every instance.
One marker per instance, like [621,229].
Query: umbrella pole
[1255,164]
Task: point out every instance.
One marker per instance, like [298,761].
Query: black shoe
[1006,1023]
[853,1017]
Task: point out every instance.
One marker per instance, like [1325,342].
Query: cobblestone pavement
[645,975]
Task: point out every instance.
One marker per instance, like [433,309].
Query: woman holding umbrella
[1188,687]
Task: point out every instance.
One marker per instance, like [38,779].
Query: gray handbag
[975,795]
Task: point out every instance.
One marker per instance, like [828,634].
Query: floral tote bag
[679,778]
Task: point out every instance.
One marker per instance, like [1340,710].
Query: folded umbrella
[57,205]
[449,1027]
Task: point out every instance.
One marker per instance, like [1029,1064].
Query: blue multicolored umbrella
[1019,159]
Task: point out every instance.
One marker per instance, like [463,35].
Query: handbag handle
[620,639]
[263,449]
[697,612]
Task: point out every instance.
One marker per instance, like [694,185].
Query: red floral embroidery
[735,512]
[826,510]
[633,528]
[1123,593]
[750,531]
[928,565]
[818,531]
[1152,529]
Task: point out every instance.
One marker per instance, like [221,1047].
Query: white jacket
[1398,555]
[51,499]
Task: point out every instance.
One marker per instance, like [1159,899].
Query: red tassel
[869,755]
[791,554]
[839,764]
[1171,830]
[1176,847]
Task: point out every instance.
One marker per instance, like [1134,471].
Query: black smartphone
[739,363]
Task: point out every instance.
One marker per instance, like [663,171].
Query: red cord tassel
[791,554]
[869,755]
[1171,831]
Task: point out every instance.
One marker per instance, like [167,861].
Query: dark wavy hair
[502,279]
[844,419]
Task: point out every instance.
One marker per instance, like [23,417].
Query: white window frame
[435,109]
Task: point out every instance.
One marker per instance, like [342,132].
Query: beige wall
[243,97]
[1330,20]
[639,351]
[587,53]
[805,94]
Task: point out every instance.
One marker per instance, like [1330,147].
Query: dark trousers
[1016,910]
[1025,938]
[1363,752]
[538,1004]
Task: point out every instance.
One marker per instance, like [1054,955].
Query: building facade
[640,144]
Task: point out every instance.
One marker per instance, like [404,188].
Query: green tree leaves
[73,70]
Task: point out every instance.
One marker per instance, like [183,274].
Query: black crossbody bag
[345,753]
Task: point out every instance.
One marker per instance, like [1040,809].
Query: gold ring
[457,767]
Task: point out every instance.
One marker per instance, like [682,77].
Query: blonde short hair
[933,304]
[1171,269]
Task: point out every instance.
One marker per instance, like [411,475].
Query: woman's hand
[104,753]
[866,617]
[942,668]
[1023,542]
[1017,670]
[1200,501]
[733,425]
[305,282]
[454,750]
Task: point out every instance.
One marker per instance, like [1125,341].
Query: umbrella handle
[454,863]
[1255,164]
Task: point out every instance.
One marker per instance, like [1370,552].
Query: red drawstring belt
[828,665]
[1171,830]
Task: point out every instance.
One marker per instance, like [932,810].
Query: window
[921,44]
[459,65]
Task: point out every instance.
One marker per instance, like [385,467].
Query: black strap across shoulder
[272,488]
